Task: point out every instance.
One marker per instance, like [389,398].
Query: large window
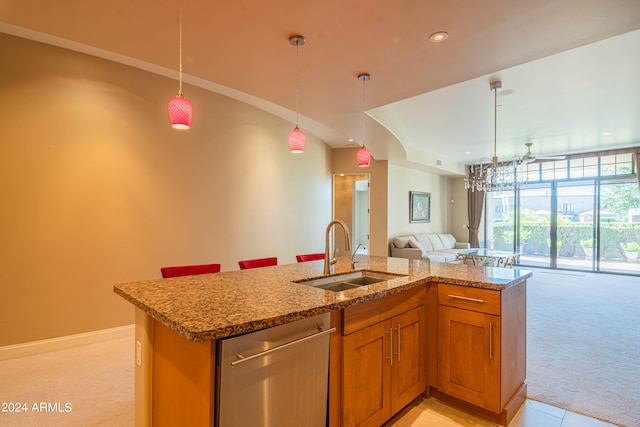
[580,213]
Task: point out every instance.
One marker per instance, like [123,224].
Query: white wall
[402,180]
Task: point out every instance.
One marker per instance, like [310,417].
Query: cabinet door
[366,376]
[469,356]
[408,371]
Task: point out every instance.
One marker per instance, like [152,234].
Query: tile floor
[434,413]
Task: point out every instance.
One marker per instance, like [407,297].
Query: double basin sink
[344,282]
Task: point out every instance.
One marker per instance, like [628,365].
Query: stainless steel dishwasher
[275,377]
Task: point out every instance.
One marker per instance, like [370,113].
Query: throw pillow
[401,242]
[413,243]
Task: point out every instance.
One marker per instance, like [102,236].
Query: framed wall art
[419,207]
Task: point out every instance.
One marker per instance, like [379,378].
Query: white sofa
[432,246]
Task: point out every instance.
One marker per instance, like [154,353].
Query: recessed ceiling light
[467,152]
[438,37]
[351,140]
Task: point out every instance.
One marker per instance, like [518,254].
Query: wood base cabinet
[383,363]
[482,347]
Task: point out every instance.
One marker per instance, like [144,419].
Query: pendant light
[180,109]
[296,137]
[363,156]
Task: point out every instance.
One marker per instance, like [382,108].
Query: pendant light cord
[297,79]
[364,82]
[180,70]
[495,126]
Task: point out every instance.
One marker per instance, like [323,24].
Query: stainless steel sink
[343,282]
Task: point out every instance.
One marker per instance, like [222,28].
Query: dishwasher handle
[280,347]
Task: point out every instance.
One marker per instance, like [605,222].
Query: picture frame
[419,206]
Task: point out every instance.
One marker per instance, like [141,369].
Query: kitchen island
[179,319]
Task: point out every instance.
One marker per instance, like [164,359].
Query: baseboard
[69,341]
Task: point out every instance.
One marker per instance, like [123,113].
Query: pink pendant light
[180,112]
[363,156]
[179,108]
[296,140]
[297,137]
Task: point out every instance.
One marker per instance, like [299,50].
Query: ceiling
[570,70]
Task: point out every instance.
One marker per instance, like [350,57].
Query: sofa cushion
[413,243]
[436,243]
[424,242]
[449,254]
[448,241]
[434,256]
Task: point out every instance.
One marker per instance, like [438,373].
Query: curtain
[475,201]
[636,159]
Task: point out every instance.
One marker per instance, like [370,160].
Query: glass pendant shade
[297,140]
[364,157]
[180,112]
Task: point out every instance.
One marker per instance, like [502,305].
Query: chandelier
[494,175]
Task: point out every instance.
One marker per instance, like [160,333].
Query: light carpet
[92,385]
[583,344]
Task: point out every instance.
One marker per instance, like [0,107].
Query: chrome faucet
[354,261]
[329,260]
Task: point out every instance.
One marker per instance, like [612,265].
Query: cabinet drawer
[360,316]
[469,298]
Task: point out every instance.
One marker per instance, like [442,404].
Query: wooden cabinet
[482,347]
[408,378]
[468,359]
[384,363]
[366,376]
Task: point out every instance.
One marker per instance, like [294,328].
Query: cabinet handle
[243,359]
[390,345]
[466,298]
[398,343]
[490,340]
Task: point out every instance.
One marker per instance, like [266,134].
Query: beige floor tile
[543,407]
[530,416]
[434,413]
[572,419]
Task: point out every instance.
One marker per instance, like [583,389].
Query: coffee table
[489,257]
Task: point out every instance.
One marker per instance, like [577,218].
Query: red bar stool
[259,262]
[309,257]
[189,270]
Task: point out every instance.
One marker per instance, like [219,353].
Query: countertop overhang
[220,305]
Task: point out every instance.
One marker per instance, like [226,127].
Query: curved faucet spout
[329,260]
[354,261]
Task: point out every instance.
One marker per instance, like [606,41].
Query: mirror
[351,205]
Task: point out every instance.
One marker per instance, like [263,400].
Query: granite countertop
[219,305]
